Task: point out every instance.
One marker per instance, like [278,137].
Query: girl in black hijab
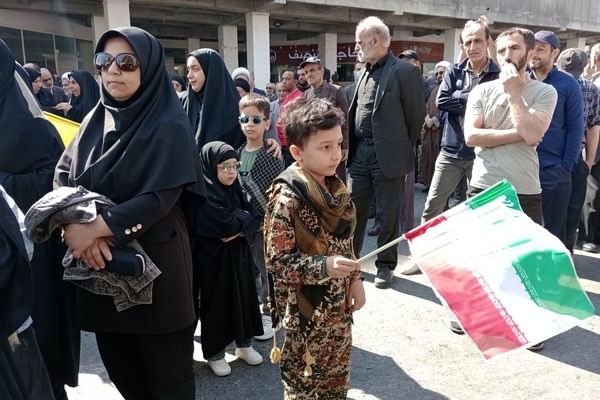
[212,100]
[137,149]
[228,300]
[85,94]
[29,150]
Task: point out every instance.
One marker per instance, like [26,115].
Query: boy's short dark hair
[303,117]
[261,103]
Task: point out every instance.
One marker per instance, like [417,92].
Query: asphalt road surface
[404,349]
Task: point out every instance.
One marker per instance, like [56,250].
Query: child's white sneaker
[248,354]
[220,367]
[267,325]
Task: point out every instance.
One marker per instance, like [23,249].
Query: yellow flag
[66,128]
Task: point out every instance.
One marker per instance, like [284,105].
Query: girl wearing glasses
[136,148]
[85,94]
[228,302]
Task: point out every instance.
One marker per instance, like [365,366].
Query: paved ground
[403,349]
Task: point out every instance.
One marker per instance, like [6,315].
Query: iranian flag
[509,282]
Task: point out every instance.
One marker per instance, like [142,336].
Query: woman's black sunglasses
[125,61]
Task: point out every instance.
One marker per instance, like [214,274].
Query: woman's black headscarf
[179,79]
[88,96]
[239,82]
[217,103]
[222,201]
[149,148]
[33,74]
[44,97]
[29,144]
[213,154]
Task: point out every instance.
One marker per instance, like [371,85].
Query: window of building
[85,54]
[39,49]
[12,38]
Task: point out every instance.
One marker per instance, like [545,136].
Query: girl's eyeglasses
[244,119]
[230,167]
[125,61]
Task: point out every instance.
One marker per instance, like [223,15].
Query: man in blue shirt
[561,145]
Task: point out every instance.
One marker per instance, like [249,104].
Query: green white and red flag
[509,282]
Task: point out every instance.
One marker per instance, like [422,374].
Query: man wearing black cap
[385,118]
[412,57]
[315,76]
[559,150]
[573,61]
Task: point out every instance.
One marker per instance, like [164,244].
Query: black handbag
[126,261]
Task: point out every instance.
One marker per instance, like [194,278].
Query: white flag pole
[372,254]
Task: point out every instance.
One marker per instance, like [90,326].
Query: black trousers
[579,176]
[367,179]
[556,192]
[531,204]
[150,367]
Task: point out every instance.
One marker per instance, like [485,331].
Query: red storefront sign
[295,54]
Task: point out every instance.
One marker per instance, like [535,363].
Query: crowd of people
[207,200]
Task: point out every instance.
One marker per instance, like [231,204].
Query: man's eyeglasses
[244,119]
[230,167]
[125,61]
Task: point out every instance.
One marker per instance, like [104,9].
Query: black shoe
[455,327]
[374,231]
[414,270]
[372,213]
[384,277]
[536,347]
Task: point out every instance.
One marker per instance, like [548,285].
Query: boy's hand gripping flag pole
[372,254]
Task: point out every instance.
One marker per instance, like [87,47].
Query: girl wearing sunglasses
[136,148]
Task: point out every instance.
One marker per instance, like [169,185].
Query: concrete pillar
[451,44]
[228,46]
[328,50]
[578,43]
[257,44]
[193,44]
[98,26]
[116,13]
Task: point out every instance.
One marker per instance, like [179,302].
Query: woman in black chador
[137,149]
[212,100]
[29,150]
[85,94]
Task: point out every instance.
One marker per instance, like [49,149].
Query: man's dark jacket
[397,118]
[452,98]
